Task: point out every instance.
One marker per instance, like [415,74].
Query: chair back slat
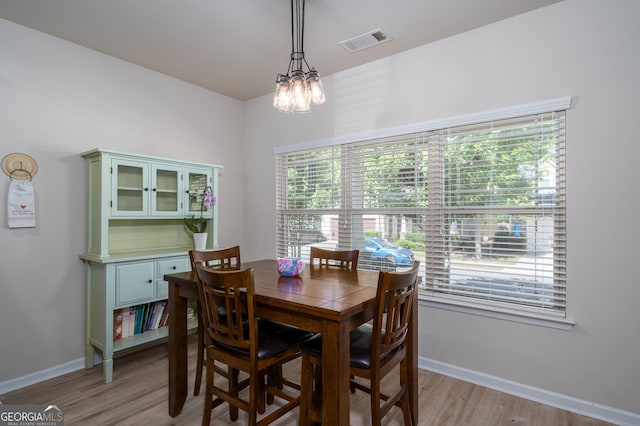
[344,259]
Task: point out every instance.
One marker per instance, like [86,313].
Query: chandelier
[298,89]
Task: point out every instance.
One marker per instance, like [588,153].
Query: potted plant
[198,225]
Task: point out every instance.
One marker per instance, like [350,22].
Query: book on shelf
[125,323]
[132,320]
[158,315]
[139,314]
[151,307]
[143,317]
[117,324]
[165,318]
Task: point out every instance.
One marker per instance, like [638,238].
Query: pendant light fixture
[298,89]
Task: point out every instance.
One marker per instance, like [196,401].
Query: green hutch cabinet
[136,235]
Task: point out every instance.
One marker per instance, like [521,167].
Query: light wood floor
[138,396]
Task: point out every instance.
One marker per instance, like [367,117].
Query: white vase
[200,240]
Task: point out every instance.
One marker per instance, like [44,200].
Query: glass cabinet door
[130,188]
[166,188]
[196,182]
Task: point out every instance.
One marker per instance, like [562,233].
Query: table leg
[177,350]
[335,374]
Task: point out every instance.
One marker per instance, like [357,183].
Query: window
[480,204]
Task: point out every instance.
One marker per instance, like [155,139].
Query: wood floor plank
[138,396]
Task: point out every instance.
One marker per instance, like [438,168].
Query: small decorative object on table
[198,225]
[290,266]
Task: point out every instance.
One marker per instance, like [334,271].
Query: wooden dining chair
[227,258]
[245,343]
[375,349]
[345,259]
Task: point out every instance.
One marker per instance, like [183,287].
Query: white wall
[57,100]
[587,49]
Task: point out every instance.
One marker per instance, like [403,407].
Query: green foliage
[393,175]
[495,167]
[313,179]
[504,243]
[197,225]
[373,234]
[414,237]
[411,245]
[403,243]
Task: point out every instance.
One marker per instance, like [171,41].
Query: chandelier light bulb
[316,88]
[299,89]
[282,97]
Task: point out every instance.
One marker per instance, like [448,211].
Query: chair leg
[376,419]
[233,384]
[263,379]
[274,374]
[201,349]
[255,390]
[406,410]
[405,403]
[306,389]
[208,396]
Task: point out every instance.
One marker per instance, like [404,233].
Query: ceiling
[237,47]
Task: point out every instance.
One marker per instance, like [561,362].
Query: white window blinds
[496,216]
[482,206]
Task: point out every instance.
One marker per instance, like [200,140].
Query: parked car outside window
[383,249]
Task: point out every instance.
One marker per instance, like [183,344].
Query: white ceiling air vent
[365,40]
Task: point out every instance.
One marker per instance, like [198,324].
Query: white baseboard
[41,376]
[586,408]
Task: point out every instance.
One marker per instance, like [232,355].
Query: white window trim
[551,321]
[563,103]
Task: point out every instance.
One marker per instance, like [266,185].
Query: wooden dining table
[324,300]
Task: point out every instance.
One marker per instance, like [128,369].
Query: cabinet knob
[154,190]
[175,267]
[150,281]
[146,189]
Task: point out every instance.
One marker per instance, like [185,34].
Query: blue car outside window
[383,249]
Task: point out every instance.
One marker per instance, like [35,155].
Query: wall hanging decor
[21,207]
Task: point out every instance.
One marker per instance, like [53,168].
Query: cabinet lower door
[134,283]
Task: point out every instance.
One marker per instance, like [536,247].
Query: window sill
[530,318]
